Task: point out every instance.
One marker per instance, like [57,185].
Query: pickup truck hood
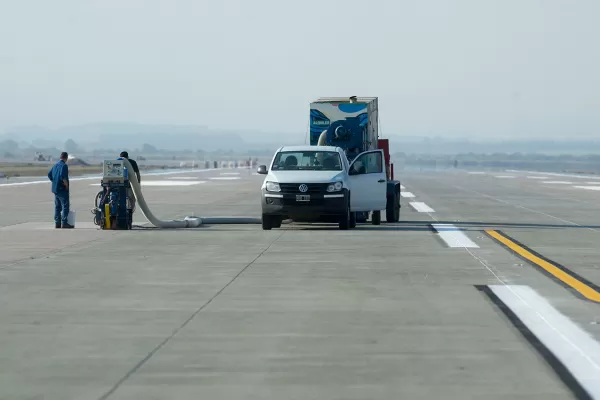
[305,176]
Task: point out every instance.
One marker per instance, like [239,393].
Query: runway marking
[98,177]
[406,194]
[229,173]
[476,173]
[402,187]
[164,183]
[587,289]
[581,176]
[421,207]
[588,187]
[453,236]
[572,352]
[504,176]
[537,177]
[559,182]
[171,183]
[183,177]
[225,178]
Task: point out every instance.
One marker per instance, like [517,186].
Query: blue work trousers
[61,203]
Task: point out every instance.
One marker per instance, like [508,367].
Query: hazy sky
[478,68]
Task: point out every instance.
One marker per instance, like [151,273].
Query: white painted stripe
[421,207]
[504,176]
[406,194]
[164,183]
[588,187]
[183,177]
[453,236]
[229,173]
[476,173]
[581,176]
[574,347]
[559,182]
[537,177]
[99,177]
[225,178]
[402,187]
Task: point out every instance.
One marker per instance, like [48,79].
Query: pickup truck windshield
[307,160]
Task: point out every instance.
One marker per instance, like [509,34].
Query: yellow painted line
[587,291]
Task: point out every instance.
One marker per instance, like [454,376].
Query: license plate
[302,197]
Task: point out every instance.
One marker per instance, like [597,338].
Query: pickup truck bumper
[319,206]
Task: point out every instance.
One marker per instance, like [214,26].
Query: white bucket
[71,218]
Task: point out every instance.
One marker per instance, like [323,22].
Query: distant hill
[131,135]
[447,146]
[118,135]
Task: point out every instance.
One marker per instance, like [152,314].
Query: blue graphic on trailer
[347,132]
[351,108]
[318,123]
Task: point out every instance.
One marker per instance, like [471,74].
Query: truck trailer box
[347,122]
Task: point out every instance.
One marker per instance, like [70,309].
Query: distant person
[59,176]
[136,170]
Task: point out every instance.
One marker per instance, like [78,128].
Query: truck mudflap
[393,188]
[392,209]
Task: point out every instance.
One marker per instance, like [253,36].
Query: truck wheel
[276,222]
[345,219]
[392,211]
[352,220]
[266,222]
[376,217]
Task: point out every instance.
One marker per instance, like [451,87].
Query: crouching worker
[136,170]
[59,176]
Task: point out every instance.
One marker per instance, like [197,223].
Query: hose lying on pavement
[187,222]
[231,220]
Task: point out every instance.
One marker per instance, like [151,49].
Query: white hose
[187,222]
[322,138]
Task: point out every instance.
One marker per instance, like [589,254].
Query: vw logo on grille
[303,188]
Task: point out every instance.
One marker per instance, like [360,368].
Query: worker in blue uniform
[136,170]
[59,176]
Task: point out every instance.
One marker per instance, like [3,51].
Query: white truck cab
[319,184]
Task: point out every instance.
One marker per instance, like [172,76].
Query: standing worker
[136,170]
[59,176]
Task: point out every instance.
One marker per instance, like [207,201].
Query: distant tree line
[538,162]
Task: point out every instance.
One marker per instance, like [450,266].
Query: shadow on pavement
[411,226]
[481,224]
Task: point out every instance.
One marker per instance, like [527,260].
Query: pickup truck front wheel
[267,222]
[345,219]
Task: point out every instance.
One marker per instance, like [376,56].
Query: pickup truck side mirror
[262,169]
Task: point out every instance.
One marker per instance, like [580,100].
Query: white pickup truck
[318,184]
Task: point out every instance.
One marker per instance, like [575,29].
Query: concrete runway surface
[486,289]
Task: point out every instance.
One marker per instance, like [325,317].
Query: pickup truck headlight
[273,187]
[335,187]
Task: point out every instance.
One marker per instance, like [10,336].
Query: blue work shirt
[58,173]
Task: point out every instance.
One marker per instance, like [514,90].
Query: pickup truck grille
[312,187]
